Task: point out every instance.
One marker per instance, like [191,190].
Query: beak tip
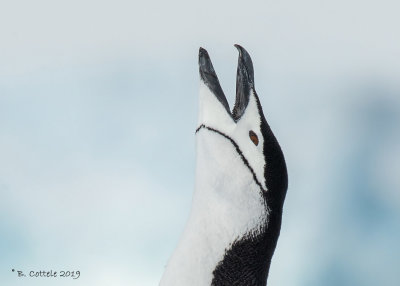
[239,47]
[202,51]
[204,61]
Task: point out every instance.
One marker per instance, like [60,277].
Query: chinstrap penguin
[240,187]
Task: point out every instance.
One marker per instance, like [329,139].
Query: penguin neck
[229,213]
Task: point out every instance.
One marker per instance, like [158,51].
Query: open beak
[244,81]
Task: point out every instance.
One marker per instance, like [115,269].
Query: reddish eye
[253,137]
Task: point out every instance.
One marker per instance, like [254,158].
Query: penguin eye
[253,137]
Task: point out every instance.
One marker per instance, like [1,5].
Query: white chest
[227,204]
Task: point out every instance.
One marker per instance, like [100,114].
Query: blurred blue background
[98,107]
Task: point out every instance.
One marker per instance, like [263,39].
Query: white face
[212,114]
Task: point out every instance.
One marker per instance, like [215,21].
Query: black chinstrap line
[237,150]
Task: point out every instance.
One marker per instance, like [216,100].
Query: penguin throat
[228,208]
[245,161]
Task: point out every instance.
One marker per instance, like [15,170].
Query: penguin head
[245,127]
